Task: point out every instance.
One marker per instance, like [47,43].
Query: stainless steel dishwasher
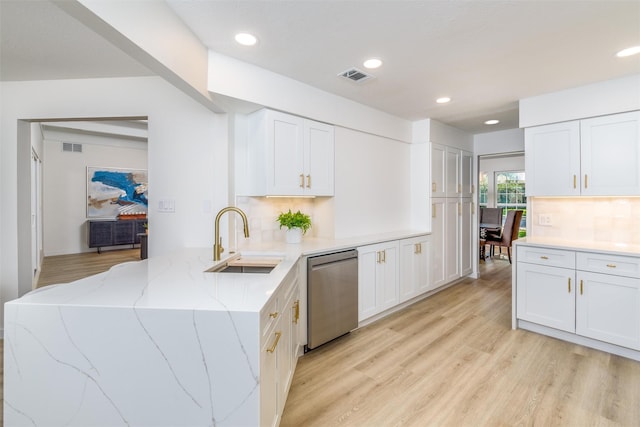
[332,296]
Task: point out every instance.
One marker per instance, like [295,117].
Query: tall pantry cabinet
[452,209]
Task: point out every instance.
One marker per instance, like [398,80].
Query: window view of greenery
[510,195]
[483,183]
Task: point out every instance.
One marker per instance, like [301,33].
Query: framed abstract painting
[112,192]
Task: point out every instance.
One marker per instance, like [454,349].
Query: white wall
[372,192]
[187,158]
[65,189]
[504,141]
[608,97]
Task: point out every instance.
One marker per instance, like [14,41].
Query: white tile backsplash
[601,219]
[263,212]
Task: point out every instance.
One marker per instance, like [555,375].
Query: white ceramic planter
[294,235]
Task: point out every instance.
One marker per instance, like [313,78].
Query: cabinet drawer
[546,256]
[269,316]
[617,265]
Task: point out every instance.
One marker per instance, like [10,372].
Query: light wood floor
[67,268]
[449,360]
[453,360]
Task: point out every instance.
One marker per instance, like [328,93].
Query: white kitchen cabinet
[277,359]
[610,155]
[595,157]
[588,294]
[452,250]
[546,295]
[466,225]
[608,301]
[414,267]
[438,228]
[287,156]
[378,276]
[466,174]
[438,179]
[453,165]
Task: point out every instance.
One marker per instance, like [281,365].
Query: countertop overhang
[624,249]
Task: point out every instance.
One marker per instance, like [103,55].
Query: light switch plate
[545,219]
[167,205]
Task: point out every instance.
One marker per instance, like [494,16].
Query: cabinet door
[285,169]
[268,383]
[124,232]
[452,172]
[552,159]
[452,239]
[438,224]
[608,308]
[438,160]
[100,233]
[318,158]
[414,267]
[610,155]
[378,277]
[466,174]
[546,295]
[466,224]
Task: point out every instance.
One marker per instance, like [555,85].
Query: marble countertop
[576,245]
[180,280]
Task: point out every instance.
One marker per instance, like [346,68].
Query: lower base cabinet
[279,349]
[590,294]
[378,277]
[415,279]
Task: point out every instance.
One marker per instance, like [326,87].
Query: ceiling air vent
[72,148]
[355,75]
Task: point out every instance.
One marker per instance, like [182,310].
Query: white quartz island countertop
[158,342]
[624,249]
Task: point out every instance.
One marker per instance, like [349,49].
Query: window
[483,183]
[510,195]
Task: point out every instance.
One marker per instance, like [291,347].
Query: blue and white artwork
[112,192]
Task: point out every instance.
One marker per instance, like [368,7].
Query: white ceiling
[484,54]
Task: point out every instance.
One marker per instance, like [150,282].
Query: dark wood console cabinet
[105,233]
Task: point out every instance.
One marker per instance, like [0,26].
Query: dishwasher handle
[328,258]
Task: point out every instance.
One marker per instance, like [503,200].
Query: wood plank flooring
[67,268]
[449,360]
[453,360]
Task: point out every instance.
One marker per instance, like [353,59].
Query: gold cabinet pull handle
[459,209]
[433,211]
[301,180]
[586,185]
[275,343]
[417,248]
[308,181]
[459,188]
[611,265]
[581,287]
[378,257]
[433,187]
[544,257]
[274,314]
[569,285]
[296,311]
[384,256]
[575,182]
[473,208]
[473,189]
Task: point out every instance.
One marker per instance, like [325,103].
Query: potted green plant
[297,224]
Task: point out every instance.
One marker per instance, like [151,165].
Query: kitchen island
[161,342]
[587,293]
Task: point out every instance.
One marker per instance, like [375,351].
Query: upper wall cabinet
[451,172]
[591,157]
[289,156]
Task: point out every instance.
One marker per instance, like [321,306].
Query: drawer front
[545,256]
[617,265]
[269,316]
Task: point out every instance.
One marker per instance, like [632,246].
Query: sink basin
[247,264]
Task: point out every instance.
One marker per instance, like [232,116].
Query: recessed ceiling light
[246,39]
[492,122]
[628,51]
[372,63]
[443,100]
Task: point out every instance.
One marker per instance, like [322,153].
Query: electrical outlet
[545,219]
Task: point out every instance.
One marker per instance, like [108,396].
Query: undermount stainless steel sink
[247,264]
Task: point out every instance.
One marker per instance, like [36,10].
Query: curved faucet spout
[217,242]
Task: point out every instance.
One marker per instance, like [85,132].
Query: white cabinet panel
[610,155]
[438,160]
[284,154]
[453,185]
[318,158]
[466,224]
[414,271]
[608,308]
[438,223]
[552,159]
[546,295]
[452,240]
[378,277]
[593,157]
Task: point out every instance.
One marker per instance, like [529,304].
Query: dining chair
[509,233]
[492,216]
